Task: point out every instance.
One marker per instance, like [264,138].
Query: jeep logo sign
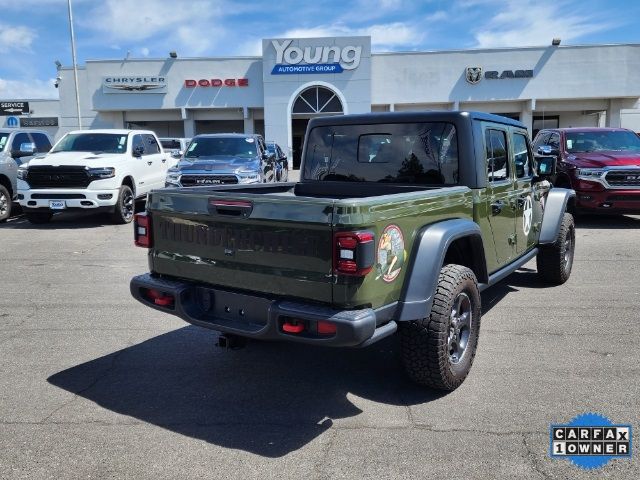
[325,59]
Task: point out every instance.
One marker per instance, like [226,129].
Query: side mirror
[26,150]
[138,151]
[176,153]
[545,165]
[547,150]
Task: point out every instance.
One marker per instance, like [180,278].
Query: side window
[541,139]
[151,146]
[42,142]
[521,156]
[497,157]
[18,140]
[554,141]
[136,143]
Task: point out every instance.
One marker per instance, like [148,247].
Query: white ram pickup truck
[99,170]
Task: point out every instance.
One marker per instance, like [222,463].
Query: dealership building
[297,79]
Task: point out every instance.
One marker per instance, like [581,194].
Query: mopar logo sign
[318,59]
[12,122]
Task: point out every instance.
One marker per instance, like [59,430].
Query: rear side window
[497,158]
[554,141]
[521,156]
[18,140]
[422,154]
[41,141]
[151,145]
[171,144]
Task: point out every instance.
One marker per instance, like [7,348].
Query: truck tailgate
[274,244]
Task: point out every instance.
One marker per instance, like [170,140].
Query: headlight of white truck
[102,173]
[22,173]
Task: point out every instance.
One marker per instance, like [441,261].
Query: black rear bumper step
[254,316]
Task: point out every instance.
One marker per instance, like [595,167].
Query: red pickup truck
[601,164]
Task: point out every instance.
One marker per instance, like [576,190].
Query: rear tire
[438,351]
[39,218]
[125,208]
[554,262]
[5,204]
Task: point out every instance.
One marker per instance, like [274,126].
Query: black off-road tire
[554,262]
[39,218]
[126,206]
[426,347]
[5,204]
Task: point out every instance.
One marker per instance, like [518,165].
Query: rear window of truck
[411,153]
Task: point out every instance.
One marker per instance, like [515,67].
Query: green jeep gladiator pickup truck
[398,223]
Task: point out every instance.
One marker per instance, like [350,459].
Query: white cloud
[528,23]
[186,28]
[390,35]
[16,38]
[144,51]
[35,89]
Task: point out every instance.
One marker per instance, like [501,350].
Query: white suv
[93,169]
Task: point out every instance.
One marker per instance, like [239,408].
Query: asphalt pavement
[95,385]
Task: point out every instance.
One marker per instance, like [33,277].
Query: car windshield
[239,147]
[92,142]
[3,140]
[597,141]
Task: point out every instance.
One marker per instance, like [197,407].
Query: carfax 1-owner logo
[590,440]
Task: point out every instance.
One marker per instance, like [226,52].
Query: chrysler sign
[318,59]
[134,84]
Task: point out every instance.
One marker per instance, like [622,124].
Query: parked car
[224,158]
[175,146]
[398,223]
[98,170]
[601,164]
[17,147]
[282,162]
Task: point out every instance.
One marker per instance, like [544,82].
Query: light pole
[75,64]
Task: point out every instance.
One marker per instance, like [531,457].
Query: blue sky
[34,33]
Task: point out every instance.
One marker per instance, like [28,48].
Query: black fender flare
[554,209]
[429,251]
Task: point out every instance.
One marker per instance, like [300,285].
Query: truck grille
[199,180]
[623,198]
[58,177]
[623,178]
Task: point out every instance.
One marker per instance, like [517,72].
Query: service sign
[134,84]
[13,108]
[38,121]
[292,59]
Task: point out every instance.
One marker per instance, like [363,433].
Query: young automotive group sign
[291,59]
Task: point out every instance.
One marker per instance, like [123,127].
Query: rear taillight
[159,298]
[142,230]
[354,253]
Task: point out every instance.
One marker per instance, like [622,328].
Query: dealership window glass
[545,123]
[496,152]
[41,141]
[239,147]
[317,100]
[412,153]
[18,140]
[521,156]
[92,142]
[598,141]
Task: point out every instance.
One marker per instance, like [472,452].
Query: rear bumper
[260,317]
[609,201]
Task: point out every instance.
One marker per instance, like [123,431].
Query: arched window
[317,100]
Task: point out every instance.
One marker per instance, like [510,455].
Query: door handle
[496,207]
[164,160]
[149,162]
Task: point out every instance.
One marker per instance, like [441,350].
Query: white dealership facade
[296,79]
